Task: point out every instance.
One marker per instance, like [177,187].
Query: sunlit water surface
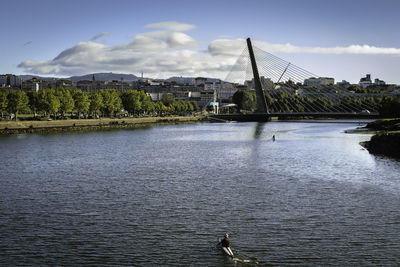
[162,196]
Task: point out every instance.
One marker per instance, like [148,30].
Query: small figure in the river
[225,242]
[273,138]
[226,245]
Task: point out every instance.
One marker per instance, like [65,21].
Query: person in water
[225,242]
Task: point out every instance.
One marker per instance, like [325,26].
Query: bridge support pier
[261,105]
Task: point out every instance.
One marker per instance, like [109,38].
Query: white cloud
[177,39]
[99,35]
[172,26]
[167,52]
[351,49]
[235,47]
[227,47]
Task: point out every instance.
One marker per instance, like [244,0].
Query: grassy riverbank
[388,125]
[13,127]
[386,141]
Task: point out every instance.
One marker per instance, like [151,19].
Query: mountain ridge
[110,76]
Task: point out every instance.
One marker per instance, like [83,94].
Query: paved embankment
[12,127]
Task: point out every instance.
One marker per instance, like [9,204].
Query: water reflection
[135,197]
[258,130]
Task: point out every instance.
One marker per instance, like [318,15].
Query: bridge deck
[267,117]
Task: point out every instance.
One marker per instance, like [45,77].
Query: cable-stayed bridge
[286,90]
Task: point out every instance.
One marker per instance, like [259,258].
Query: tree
[167,99]
[195,106]
[33,101]
[390,107]
[48,102]
[357,89]
[67,102]
[17,102]
[244,100]
[54,104]
[96,102]
[111,101]
[3,101]
[147,103]
[82,102]
[131,101]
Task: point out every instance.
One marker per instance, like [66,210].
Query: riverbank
[386,141]
[16,127]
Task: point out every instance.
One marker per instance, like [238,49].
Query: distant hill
[187,80]
[181,80]
[28,77]
[105,77]
[115,76]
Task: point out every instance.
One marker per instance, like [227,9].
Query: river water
[161,196]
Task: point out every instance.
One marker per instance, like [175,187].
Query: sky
[330,38]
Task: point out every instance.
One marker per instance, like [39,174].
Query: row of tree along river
[62,101]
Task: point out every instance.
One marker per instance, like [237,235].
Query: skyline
[162,39]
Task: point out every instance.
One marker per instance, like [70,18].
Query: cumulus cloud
[169,51]
[98,36]
[227,47]
[158,53]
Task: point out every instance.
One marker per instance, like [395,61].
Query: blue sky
[340,39]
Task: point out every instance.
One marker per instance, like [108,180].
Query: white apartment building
[365,81]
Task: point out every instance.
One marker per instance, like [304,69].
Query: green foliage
[244,99]
[96,102]
[48,102]
[54,103]
[67,102]
[17,102]
[284,102]
[111,101]
[3,101]
[160,108]
[390,107]
[147,103]
[131,101]
[33,101]
[167,99]
[82,102]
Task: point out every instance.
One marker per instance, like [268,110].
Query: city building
[343,84]
[318,82]
[206,97]
[65,83]
[365,81]
[379,82]
[200,81]
[34,84]
[117,85]
[182,95]
[155,96]
[224,95]
[10,80]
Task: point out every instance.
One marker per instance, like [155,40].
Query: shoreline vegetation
[54,126]
[386,140]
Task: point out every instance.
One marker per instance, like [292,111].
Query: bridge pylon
[261,104]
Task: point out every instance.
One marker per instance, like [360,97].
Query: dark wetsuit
[226,242]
